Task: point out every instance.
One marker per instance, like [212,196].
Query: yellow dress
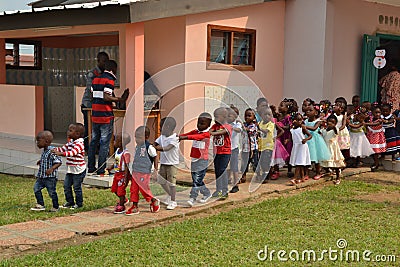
[336,160]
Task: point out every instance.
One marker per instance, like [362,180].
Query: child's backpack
[147,143]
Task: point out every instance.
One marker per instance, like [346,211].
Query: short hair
[387,105]
[102,54]
[260,100]
[332,117]
[80,128]
[111,65]
[205,115]
[141,130]
[234,109]
[169,122]
[126,138]
[47,135]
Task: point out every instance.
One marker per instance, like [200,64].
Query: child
[47,174]
[199,155]
[121,170]
[396,114]
[266,144]
[233,114]
[355,101]
[336,161]
[249,143]
[141,172]
[221,132]
[376,136]
[168,144]
[318,149]
[279,154]
[262,103]
[300,156]
[325,109]
[304,107]
[339,110]
[74,150]
[285,123]
[359,144]
[391,135]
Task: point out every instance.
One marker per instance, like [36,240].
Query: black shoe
[223,196]
[290,174]
[216,194]
[234,189]
[374,168]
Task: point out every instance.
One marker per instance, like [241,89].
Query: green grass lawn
[311,220]
[17,198]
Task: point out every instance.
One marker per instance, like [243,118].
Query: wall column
[131,44]
[308,51]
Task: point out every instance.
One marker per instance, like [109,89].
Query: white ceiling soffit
[387,2]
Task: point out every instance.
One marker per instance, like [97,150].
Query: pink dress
[279,155]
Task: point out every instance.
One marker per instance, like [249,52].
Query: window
[231,46]
[23,54]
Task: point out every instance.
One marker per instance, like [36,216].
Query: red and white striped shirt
[74,151]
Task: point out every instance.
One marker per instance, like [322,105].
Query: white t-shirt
[170,157]
[235,139]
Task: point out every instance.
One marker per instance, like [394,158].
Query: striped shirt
[74,151]
[102,111]
[47,160]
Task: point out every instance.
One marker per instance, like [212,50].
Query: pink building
[276,49]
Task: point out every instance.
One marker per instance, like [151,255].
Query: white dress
[336,160]
[359,144]
[300,155]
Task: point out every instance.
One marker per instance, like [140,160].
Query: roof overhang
[114,12]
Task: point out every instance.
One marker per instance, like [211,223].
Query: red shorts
[118,185]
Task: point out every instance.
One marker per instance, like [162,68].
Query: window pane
[241,50]
[26,55]
[218,46]
[9,54]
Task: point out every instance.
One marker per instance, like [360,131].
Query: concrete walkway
[26,235]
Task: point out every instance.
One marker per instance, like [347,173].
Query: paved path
[23,236]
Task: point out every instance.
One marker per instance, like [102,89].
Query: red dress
[376,137]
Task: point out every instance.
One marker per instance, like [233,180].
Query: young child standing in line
[359,144]
[168,144]
[233,114]
[376,136]
[249,143]
[141,172]
[221,132]
[262,103]
[336,161]
[74,151]
[199,155]
[285,123]
[318,149]
[339,110]
[122,174]
[46,177]
[391,135]
[300,156]
[266,144]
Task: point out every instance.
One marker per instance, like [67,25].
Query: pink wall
[164,48]
[21,107]
[352,19]
[268,20]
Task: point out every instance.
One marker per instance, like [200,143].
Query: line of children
[299,141]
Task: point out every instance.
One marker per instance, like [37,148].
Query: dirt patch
[392,197]
[381,177]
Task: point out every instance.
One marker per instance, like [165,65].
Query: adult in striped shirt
[74,151]
[103,116]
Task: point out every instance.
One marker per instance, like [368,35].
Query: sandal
[317,177]
[293,182]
